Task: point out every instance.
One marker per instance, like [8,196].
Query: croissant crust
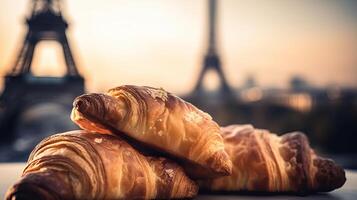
[159,120]
[83,165]
[265,162]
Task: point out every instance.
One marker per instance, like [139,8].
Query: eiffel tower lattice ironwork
[211,59]
[46,23]
[22,89]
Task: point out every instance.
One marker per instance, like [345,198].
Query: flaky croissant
[265,162]
[159,120]
[83,165]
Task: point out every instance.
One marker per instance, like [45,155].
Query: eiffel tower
[23,90]
[211,59]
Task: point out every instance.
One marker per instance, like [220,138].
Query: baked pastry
[83,165]
[265,162]
[159,120]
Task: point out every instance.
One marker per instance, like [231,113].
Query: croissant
[159,120]
[265,162]
[83,165]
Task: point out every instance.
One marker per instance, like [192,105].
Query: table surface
[10,172]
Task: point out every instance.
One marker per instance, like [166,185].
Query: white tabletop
[10,172]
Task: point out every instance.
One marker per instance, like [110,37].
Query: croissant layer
[83,165]
[160,120]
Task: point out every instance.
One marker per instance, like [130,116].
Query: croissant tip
[329,176]
[221,163]
[26,191]
[86,102]
[78,103]
[48,185]
[225,170]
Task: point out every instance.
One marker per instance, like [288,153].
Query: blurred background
[282,65]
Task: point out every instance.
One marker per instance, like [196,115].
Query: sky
[162,42]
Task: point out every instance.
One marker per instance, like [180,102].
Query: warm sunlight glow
[252,94]
[48,59]
[300,102]
[211,81]
[155,42]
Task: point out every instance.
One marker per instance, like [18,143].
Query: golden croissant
[265,162]
[159,120]
[83,165]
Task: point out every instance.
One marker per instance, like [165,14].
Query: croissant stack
[98,163]
[161,121]
[268,163]
[83,165]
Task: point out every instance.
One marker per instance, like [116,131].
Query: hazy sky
[162,42]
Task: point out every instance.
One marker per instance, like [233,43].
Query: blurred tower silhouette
[22,89]
[211,59]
